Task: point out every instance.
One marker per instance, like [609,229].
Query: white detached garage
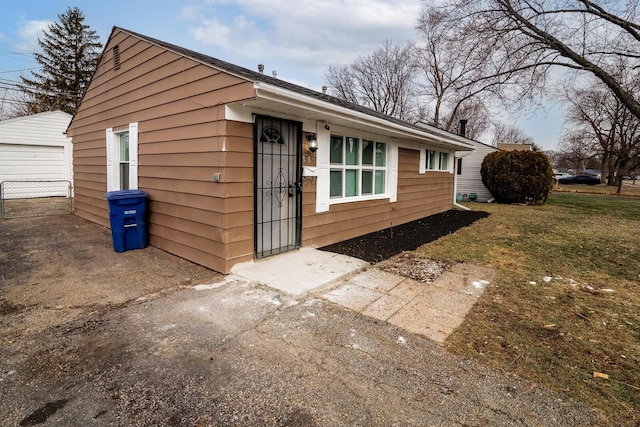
[35,148]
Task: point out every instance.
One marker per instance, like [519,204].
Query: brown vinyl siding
[183,140]
[419,195]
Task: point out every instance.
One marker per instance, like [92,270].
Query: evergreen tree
[70,53]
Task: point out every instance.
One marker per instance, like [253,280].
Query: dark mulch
[382,245]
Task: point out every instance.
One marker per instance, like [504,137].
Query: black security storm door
[278,185]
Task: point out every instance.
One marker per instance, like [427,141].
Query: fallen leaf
[600,375]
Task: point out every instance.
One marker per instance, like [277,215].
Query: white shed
[35,148]
[468,178]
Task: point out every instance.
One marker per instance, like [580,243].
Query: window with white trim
[122,158]
[437,160]
[357,168]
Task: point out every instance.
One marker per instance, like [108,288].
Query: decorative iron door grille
[278,185]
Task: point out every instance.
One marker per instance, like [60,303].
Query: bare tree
[460,67]
[508,134]
[579,35]
[475,113]
[574,149]
[383,81]
[610,128]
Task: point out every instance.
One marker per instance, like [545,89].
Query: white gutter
[275,93]
[455,179]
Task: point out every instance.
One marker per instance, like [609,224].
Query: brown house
[224,155]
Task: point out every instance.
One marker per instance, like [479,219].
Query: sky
[299,39]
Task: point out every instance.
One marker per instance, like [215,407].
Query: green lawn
[566,300]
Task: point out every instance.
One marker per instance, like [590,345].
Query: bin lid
[125,194]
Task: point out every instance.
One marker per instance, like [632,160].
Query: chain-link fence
[19,199]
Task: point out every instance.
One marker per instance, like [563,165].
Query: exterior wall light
[313,142]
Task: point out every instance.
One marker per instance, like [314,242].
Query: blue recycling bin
[128,217]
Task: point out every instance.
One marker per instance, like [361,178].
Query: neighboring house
[224,154]
[35,148]
[468,178]
[514,147]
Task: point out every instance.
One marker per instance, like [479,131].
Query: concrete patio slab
[447,300]
[384,307]
[353,296]
[408,289]
[299,271]
[377,280]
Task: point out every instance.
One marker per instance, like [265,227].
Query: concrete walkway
[432,310]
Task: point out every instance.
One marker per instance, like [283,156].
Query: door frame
[294,183]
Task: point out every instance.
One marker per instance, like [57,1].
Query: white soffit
[270,99]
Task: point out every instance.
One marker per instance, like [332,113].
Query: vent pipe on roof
[261,68]
[274,73]
[324,89]
[463,128]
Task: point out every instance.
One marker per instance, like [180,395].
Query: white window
[357,168]
[122,158]
[437,160]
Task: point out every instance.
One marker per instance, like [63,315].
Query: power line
[17,71]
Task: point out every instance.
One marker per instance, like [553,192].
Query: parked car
[580,179]
[560,175]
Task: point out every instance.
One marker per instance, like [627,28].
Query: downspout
[463,132]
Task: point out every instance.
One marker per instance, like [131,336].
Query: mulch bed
[382,245]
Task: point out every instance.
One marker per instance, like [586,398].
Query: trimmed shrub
[517,176]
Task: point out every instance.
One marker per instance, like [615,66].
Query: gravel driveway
[87,342]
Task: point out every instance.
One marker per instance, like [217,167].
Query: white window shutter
[133,156]
[322,162]
[393,173]
[112,177]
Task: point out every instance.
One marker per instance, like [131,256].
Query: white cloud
[300,39]
[29,33]
[212,32]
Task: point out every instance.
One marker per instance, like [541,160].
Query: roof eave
[275,93]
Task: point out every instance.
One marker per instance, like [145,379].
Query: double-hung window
[358,168]
[122,158]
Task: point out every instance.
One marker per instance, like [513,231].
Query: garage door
[31,163]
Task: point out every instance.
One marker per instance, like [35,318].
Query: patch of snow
[141,299]
[532,283]
[606,290]
[275,302]
[589,288]
[547,279]
[210,286]
[484,282]
[402,340]
[478,285]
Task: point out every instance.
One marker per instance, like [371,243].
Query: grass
[628,189]
[565,301]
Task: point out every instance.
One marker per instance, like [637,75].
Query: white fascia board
[275,93]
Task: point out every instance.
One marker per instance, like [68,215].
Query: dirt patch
[53,269]
[415,266]
[382,245]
